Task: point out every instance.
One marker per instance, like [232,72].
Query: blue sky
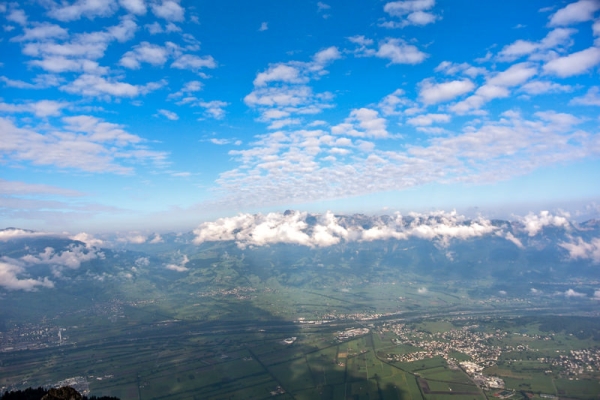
[161,114]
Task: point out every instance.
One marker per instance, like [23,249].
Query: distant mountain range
[303,250]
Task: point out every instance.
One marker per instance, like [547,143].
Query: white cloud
[322,6]
[134,6]
[573,293]
[169,10]
[515,75]
[580,249]
[214,109]
[591,98]
[495,87]
[396,50]
[39,82]
[84,8]
[580,11]
[280,170]
[292,228]
[511,238]
[450,68]
[83,142]
[280,73]
[573,64]
[542,87]
[17,15]
[133,238]
[432,93]
[22,188]
[14,233]
[43,31]
[263,27]
[281,90]
[193,62]
[168,114]
[154,28]
[219,142]
[98,86]
[410,12]
[42,108]
[533,224]
[188,89]
[363,122]
[70,258]
[10,270]
[88,239]
[145,52]
[428,119]
[556,40]
[422,290]
[179,267]
[399,52]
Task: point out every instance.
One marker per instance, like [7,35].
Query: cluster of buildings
[576,363]
[31,337]
[350,333]
[240,293]
[474,344]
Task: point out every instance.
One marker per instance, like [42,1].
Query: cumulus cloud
[422,290]
[573,293]
[557,40]
[84,8]
[574,63]
[542,87]
[394,49]
[88,239]
[400,52]
[213,109]
[580,11]
[169,10]
[535,223]
[41,108]
[432,93]
[282,89]
[409,12]
[71,258]
[428,119]
[13,277]
[134,6]
[42,31]
[300,228]
[142,262]
[168,114]
[97,86]
[145,52]
[511,238]
[14,233]
[179,267]
[156,239]
[496,86]
[580,249]
[133,237]
[591,98]
[363,122]
[82,142]
[194,62]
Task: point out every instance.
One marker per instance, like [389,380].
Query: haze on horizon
[133,114]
